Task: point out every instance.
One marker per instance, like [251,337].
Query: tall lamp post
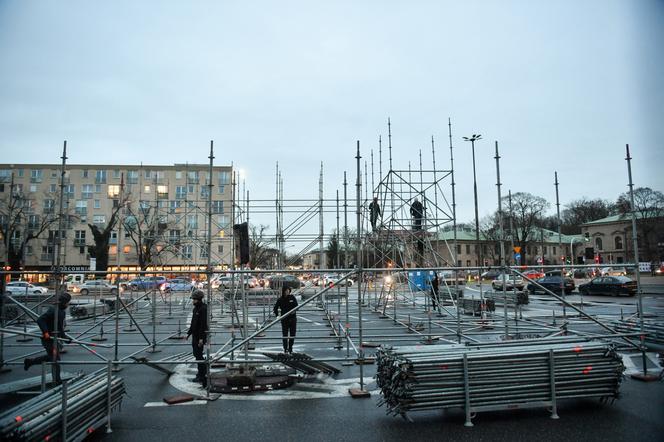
[472,139]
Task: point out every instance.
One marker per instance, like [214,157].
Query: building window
[598,243]
[205,191]
[49,206]
[220,249]
[36,175]
[192,222]
[224,178]
[468,250]
[146,189]
[458,249]
[217,207]
[223,221]
[618,242]
[113,190]
[468,263]
[81,208]
[100,177]
[147,174]
[69,190]
[86,191]
[126,249]
[162,191]
[33,222]
[187,251]
[178,174]
[113,250]
[180,192]
[116,173]
[97,204]
[174,205]
[192,177]
[79,238]
[84,173]
[554,251]
[99,219]
[132,177]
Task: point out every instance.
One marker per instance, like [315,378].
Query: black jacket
[199,322]
[286,304]
[46,321]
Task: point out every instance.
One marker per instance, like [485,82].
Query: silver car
[23,287]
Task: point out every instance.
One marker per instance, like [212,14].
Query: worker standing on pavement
[434,290]
[50,333]
[198,330]
[286,303]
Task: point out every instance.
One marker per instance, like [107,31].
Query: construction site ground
[318,406]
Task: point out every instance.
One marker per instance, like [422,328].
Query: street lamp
[571,247]
[472,139]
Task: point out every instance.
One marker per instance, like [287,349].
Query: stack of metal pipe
[653,331]
[86,406]
[496,376]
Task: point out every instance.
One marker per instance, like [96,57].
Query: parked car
[178,285]
[552,283]
[449,278]
[23,287]
[609,285]
[511,282]
[147,283]
[490,274]
[278,281]
[534,274]
[333,280]
[97,287]
[614,271]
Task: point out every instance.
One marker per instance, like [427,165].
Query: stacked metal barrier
[496,376]
[653,331]
[87,407]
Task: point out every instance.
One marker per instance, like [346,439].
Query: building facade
[163,209]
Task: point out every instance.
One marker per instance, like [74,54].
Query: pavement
[319,407]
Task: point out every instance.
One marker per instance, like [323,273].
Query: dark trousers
[417,223]
[434,298]
[288,328]
[198,354]
[48,357]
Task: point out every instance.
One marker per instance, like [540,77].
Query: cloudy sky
[562,86]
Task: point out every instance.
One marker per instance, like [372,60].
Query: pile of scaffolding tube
[496,376]
[45,417]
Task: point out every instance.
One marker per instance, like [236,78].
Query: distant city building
[610,239]
[170,202]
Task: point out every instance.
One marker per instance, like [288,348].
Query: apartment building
[163,207]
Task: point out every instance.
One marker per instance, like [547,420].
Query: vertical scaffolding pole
[560,249]
[58,276]
[358,193]
[502,240]
[321,231]
[208,269]
[635,242]
[454,227]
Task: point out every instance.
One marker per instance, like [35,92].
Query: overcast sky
[561,85]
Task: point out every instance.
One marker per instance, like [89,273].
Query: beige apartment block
[174,198]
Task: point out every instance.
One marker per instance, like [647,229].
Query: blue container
[419,280]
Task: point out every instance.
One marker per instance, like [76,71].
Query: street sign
[517,256]
[517,249]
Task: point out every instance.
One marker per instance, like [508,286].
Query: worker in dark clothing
[374,213]
[417,212]
[198,330]
[50,333]
[434,290]
[286,303]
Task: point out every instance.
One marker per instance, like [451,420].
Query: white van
[72,281]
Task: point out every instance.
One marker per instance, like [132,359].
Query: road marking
[164,404]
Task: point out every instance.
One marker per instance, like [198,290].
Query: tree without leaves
[527,212]
[259,250]
[145,227]
[649,207]
[102,237]
[20,225]
[581,211]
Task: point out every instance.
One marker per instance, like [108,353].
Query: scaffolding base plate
[178,399]
[357,393]
[647,377]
